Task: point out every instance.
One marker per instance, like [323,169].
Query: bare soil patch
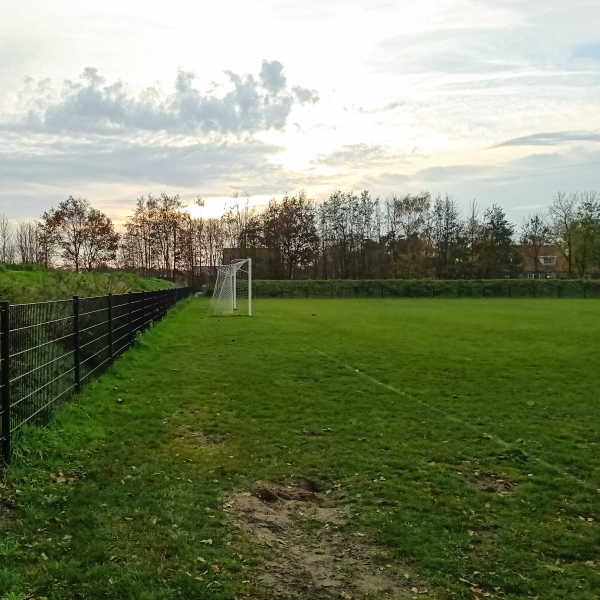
[199,437]
[490,482]
[312,556]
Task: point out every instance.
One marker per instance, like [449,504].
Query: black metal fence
[50,350]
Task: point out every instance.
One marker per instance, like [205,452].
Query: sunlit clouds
[495,101]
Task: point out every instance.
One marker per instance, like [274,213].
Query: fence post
[130,313]
[110,328]
[143,311]
[5,363]
[76,343]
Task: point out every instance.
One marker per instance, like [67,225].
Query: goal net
[233,290]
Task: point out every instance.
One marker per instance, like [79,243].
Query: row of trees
[348,236]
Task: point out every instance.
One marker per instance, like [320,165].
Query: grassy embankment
[429,395]
[24,283]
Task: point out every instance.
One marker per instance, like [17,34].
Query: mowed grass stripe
[470,426]
[257,395]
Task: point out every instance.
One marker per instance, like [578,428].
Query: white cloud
[93,105]
[500,98]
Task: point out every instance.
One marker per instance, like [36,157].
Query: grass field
[405,412]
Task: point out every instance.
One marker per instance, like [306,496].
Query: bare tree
[27,241]
[6,240]
[562,213]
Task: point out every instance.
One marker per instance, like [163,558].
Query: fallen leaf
[471,533]
[67,537]
[44,556]
[589,563]
[281,541]
[406,575]
[215,568]
[206,541]
[414,589]
[487,505]
[201,559]
[199,578]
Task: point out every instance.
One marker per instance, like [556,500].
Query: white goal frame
[233,280]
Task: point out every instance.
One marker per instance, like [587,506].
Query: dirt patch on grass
[490,482]
[203,438]
[313,556]
[199,437]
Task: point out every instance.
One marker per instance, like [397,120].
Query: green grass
[23,283]
[424,393]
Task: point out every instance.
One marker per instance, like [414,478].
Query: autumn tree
[586,232]
[497,256]
[289,229]
[84,236]
[535,236]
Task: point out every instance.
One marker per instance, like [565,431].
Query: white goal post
[233,289]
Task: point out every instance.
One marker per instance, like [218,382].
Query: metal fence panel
[48,350]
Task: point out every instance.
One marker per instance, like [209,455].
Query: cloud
[92,105]
[552,138]
[68,163]
[272,77]
[535,178]
[305,96]
[359,156]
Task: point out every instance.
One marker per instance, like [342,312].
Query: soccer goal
[233,290]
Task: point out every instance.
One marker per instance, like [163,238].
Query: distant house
[550,263]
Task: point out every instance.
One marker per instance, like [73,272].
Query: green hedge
[403,288]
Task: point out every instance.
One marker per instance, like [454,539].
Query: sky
[497,101]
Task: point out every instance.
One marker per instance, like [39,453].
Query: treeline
[356,236]
[347,236]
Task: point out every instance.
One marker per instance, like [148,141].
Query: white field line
[470,426]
